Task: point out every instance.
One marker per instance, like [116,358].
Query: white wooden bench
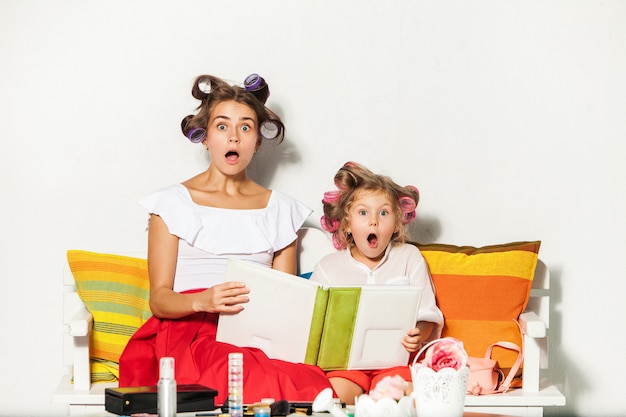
[83,397]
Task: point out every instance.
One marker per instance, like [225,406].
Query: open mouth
[372,240]
[232,155]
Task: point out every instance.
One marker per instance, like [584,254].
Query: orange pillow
[481,291]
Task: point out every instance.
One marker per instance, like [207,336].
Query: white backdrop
[508,115]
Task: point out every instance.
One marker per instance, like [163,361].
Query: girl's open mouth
[372,240]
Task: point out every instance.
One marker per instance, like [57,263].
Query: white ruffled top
[210,235]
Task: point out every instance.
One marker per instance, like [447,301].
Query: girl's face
[232,136]
[372,222]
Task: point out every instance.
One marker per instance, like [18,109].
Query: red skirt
[200,359]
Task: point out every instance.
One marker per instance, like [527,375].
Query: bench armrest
[81,323]
[532,325]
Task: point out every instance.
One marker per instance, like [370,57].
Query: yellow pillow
[115,290]
[481,291]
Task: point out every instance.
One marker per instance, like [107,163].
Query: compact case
[131,400]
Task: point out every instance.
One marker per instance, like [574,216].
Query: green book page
[336,339]
[317,326]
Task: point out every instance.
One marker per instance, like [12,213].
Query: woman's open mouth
[232,156]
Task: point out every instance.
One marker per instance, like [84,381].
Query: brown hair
[211,90]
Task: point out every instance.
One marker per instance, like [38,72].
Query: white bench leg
[532,353]
[82,373]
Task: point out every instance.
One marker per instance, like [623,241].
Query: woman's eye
[221,127]
[245,128]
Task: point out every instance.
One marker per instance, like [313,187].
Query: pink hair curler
[330,225]
[407,205]
[408,217]
[331,196]
[336,243]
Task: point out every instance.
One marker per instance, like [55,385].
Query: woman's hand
[223,298]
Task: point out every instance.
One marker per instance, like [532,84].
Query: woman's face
[232,136]
[372,222]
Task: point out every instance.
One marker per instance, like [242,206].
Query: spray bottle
[166,389]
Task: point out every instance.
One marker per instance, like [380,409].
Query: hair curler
[196,135]
[271,129]
[255,84]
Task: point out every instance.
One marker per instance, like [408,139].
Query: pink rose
[390,387]
[446,353]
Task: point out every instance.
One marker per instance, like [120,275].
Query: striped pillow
[481,291]
[115,290]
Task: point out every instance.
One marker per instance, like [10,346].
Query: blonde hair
[353,179]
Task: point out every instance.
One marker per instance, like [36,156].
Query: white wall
[508,115]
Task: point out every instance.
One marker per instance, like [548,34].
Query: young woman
[193,228]
[367,217]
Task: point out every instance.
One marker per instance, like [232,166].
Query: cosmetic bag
[133,400]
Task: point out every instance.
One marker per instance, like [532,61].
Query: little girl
[367,217]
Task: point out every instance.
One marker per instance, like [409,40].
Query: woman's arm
[285,259]
[164,301]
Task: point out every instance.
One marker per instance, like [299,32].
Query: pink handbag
[485,375]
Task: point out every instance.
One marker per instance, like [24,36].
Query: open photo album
[334,327]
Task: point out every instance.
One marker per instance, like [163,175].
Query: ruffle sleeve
[227,231]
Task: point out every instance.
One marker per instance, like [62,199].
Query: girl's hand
[412,342]
[415,338]
[223,298]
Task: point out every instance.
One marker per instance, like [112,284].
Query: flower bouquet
[387,399]
[440,380]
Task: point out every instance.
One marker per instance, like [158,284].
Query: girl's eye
[362,213]
[221,127]
[384,213]
[245,128]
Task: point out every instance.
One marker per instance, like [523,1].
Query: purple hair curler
[255,84]
[196,135]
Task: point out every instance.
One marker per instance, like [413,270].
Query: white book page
[385,315]
[277,319]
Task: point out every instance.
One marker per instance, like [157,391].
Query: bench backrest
[313,244]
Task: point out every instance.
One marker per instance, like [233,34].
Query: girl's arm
[164,301]
[285,259]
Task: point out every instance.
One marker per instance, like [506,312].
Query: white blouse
[208,236]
